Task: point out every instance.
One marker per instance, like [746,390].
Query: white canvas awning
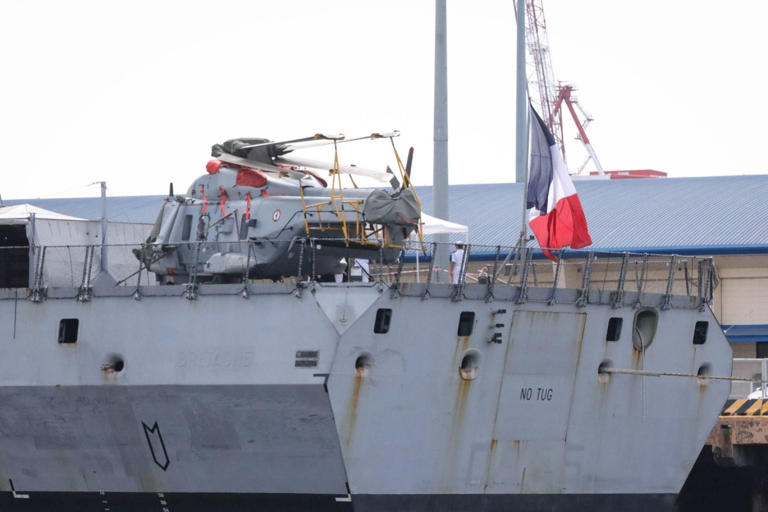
[23,212]
[435,226]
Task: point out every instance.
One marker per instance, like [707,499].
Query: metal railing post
[706,286]
[84,292]
[667,303]
[247,269]
[313,246]
[381,262]
[522,295]
[190,293]
[301,260]
[137,292]
[396,287]
[431,270]
[618,295]
[492,278]
[640,280]
[552,295]
[37,293]
[583,299]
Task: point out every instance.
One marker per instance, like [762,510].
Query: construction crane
[548,95]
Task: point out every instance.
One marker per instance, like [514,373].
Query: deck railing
[752,368]
[614,276]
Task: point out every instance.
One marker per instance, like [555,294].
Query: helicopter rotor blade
[315,137]
[346,169]
[236,160]
[327,141]
[385,135]
[393,180]
[408,163]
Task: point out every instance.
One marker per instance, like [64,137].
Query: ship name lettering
[536,394]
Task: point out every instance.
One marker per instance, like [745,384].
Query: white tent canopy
[24,211]
[435,226]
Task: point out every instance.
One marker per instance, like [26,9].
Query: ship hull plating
[295,399]
[199,502]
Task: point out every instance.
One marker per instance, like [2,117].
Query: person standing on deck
[457,259]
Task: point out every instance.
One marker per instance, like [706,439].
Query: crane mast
[547,95]
[542,77]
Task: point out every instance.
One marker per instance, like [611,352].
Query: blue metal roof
[746,333]
[726,214]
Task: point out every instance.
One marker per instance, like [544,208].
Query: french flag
[555,214]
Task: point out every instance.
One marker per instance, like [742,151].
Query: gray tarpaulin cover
[401,208]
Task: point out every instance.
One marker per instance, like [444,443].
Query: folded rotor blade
[346,169]
[385,135]
[232,159]
[408,164]
[393,180]
[317,136]
[329,140]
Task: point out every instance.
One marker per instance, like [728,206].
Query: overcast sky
[135,93]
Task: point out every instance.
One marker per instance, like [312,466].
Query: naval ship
[225,372]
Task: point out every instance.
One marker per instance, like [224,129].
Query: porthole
[603,375]
[704,371]
[470,364]
[363,364]
[115,364]
[644,328]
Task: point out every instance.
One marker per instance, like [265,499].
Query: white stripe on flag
[561,186]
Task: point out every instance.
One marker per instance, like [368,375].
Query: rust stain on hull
[455,435]
[489,467]
[459,407]
[354,400]
[462,344]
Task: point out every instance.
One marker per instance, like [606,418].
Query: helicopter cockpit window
[243,228]
[202,227]
[186,229]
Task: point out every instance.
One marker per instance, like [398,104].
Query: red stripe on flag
[564,225]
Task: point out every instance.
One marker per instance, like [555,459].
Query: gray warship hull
[278,397]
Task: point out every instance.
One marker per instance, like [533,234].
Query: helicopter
[261,213]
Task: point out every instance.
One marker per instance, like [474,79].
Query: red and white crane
[548,95]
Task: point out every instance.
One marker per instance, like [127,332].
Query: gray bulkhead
[536,418]
[247,394]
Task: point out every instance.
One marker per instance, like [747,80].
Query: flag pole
[521,135]
[521,126]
